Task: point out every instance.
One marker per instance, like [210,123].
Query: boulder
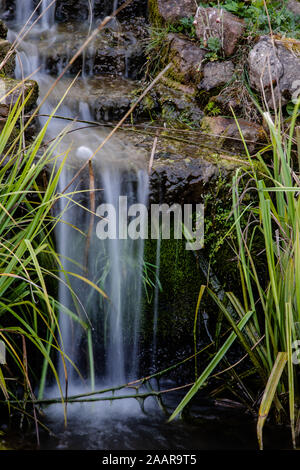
[170,11]
[187,58]
[275,63]
[7,58]
[219,23]
[216,74]
[227,133]
[294,6]
[8,97]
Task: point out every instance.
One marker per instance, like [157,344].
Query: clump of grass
[265,317]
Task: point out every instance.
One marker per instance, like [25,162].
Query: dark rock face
[111,52]
[214,22]
[171,11]
[275,65]
[187,57]
[77,10]
[181,180]
[216,74]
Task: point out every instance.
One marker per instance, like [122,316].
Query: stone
[294,6]
[227,133]
[275,64]
[170,11]
[219,23]
[216,74]
[8,98]
[187,57]
[7,57]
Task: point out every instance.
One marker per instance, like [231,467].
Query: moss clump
[154,15]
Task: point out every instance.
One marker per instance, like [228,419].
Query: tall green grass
[28,261]
[265,317]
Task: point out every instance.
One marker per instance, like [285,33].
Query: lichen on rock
[275,63]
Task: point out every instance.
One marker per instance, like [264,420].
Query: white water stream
[109,344]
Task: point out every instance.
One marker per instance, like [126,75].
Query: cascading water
[104,336]
[26,8]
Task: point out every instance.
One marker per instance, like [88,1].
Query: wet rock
[216,74]
[78,10]
[294,6]
[182,171]
[101,98]
[7,57]
[112,52]
[179,180]
[218,23]
[187,58]
[171,11]
[227,133]
[3,30]
[275,64]
[9,98]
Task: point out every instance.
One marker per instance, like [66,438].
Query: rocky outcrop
[11,90]
[219,23]
[216,74]
[275,63]
[170,11]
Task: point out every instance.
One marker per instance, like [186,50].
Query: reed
[269,306]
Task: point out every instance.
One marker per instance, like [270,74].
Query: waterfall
[116,2]
[100,336]
[25,8]
[115,265]
[47,13]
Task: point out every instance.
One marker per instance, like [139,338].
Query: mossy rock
[170,11]
[8,56]
[3,30]
[10,91]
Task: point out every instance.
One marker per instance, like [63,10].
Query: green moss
[154,15]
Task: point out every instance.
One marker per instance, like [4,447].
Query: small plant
[212,109]
[185,26]
[282,20]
